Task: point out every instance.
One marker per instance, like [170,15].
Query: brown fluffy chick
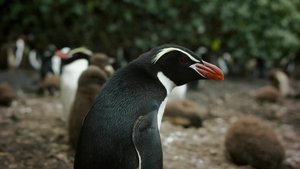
[185,113]
[266,93]
[250,141]
[7,94]
[51,83]
[104,62]
[89,86]
[279,88]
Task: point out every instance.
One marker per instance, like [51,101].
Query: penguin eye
[182,60]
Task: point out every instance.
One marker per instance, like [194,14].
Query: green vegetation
[268,29]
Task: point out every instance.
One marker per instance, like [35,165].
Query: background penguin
[89,85]
[252,142]
[279,88]
[73,64]
[103,62]
[121,130]
[50,83]
[266,93]
[186,113]
[281,81]
[50,70]
[7,94]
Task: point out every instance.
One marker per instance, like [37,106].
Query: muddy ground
[33,136]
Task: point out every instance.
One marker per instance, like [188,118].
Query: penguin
[73,64]
[7,94]
[279,88]
[50,71]
[89,85]
[103,62]
[266,93]
[121,130]
[50,83]
[281,81]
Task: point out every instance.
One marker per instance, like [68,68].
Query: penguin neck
[166,82]
[72,72]
[169,85]
[76,67]
[75,58]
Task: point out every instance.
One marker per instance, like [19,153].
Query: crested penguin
[74,62]
[121,130]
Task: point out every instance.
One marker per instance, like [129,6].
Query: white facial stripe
[166,50]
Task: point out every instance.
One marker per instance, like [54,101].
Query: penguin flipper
[146,140]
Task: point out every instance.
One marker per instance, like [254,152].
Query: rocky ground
[34,136]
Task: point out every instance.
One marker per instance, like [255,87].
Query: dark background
[264,29]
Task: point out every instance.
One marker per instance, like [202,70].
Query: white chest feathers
[69,83]
[169,85]
[178,93]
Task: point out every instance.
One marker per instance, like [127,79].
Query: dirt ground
[33,136]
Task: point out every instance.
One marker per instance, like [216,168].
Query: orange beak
[208,71]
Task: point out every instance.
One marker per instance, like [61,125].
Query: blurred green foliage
[267,29]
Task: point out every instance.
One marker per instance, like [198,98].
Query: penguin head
[180,65]
[93,75]
[104,62]
[69,56]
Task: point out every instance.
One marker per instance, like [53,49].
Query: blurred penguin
[74,63]
[186,113]
[103,62]
[281,81]
[50,71]
[279,88]
[7,94]
[267,93]
[250,141]
[89,86]
[51,84]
